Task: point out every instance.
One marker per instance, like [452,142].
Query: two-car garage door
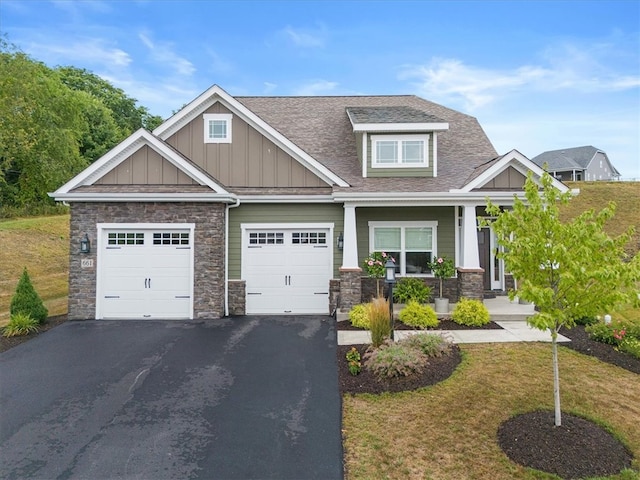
[145,273]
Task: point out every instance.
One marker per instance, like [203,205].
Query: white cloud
[565,67]
[316,87]
[163,54]
[310,38]
[85,51]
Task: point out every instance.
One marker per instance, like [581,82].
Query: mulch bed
[9,342]
[577,449]
[581,342]
[438,369]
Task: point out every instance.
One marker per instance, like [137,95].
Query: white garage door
[287,270]
[145,273]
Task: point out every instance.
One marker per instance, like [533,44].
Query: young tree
[27,301]
[568,270]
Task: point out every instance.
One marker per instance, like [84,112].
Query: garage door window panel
[125,238]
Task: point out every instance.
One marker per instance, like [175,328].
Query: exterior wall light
[85,244]
[340,241]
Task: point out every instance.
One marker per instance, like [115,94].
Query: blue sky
[538,75]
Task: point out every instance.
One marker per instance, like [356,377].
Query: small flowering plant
[375,262]
[442,267]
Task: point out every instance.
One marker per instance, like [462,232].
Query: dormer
[396,141]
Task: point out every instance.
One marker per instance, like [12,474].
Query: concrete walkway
[511,316]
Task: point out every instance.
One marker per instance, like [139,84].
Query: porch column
[350,248]
[470,254]
[350,272]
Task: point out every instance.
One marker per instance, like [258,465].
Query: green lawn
[449,431]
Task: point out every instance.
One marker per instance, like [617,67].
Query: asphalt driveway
[240,398]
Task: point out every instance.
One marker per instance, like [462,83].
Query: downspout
[226,256]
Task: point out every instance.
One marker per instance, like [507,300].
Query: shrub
[20,324]
[630,345]
[379,325]
[359,316]
[601,332]
[586,321]
[431,344]
[411,289]
[26,300]
[416,315]
[614,332]
[353,360]
[470,312]
[395,360]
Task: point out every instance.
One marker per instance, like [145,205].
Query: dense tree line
[54,122]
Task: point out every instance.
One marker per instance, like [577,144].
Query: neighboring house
[578,164]
[268,205]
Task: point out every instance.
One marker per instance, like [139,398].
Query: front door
[484,250]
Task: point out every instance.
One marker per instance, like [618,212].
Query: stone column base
[350,287]
[471,283]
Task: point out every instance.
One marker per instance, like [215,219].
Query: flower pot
[442,305]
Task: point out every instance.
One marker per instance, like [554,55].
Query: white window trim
[399,138]
[227,117]
[432,224]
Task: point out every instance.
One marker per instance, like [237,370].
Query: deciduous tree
[568,270]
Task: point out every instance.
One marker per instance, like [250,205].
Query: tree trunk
[556,379]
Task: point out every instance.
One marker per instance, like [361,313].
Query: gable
[508,179]
[206,103]
[249,160]
[145,167]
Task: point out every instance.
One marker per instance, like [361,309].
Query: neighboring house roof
[567,159]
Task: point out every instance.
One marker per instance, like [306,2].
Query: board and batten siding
[282,213]
[401,171]
[250,160]
[509,179]
[445,216]
[145,167]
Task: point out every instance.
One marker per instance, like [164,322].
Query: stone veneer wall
[237,297]
[471,283]
[334,295]
[208,255]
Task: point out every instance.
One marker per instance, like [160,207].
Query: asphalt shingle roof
[396,114]
[321,127]
[576,158]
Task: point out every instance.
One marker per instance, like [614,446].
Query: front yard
[449,430]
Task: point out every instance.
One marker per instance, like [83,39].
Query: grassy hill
[596,195]
[42,243]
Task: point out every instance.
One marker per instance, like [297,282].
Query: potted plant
[374,266]
[442,268]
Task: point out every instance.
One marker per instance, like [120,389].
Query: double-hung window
[217,127]
[399,151]
[411,244]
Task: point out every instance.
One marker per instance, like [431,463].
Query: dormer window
[399,151]
[217,127]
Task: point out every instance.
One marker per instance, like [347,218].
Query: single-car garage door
[145,273]
[287,270]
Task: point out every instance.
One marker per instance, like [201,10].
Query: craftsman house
[268,205]
[578,164]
